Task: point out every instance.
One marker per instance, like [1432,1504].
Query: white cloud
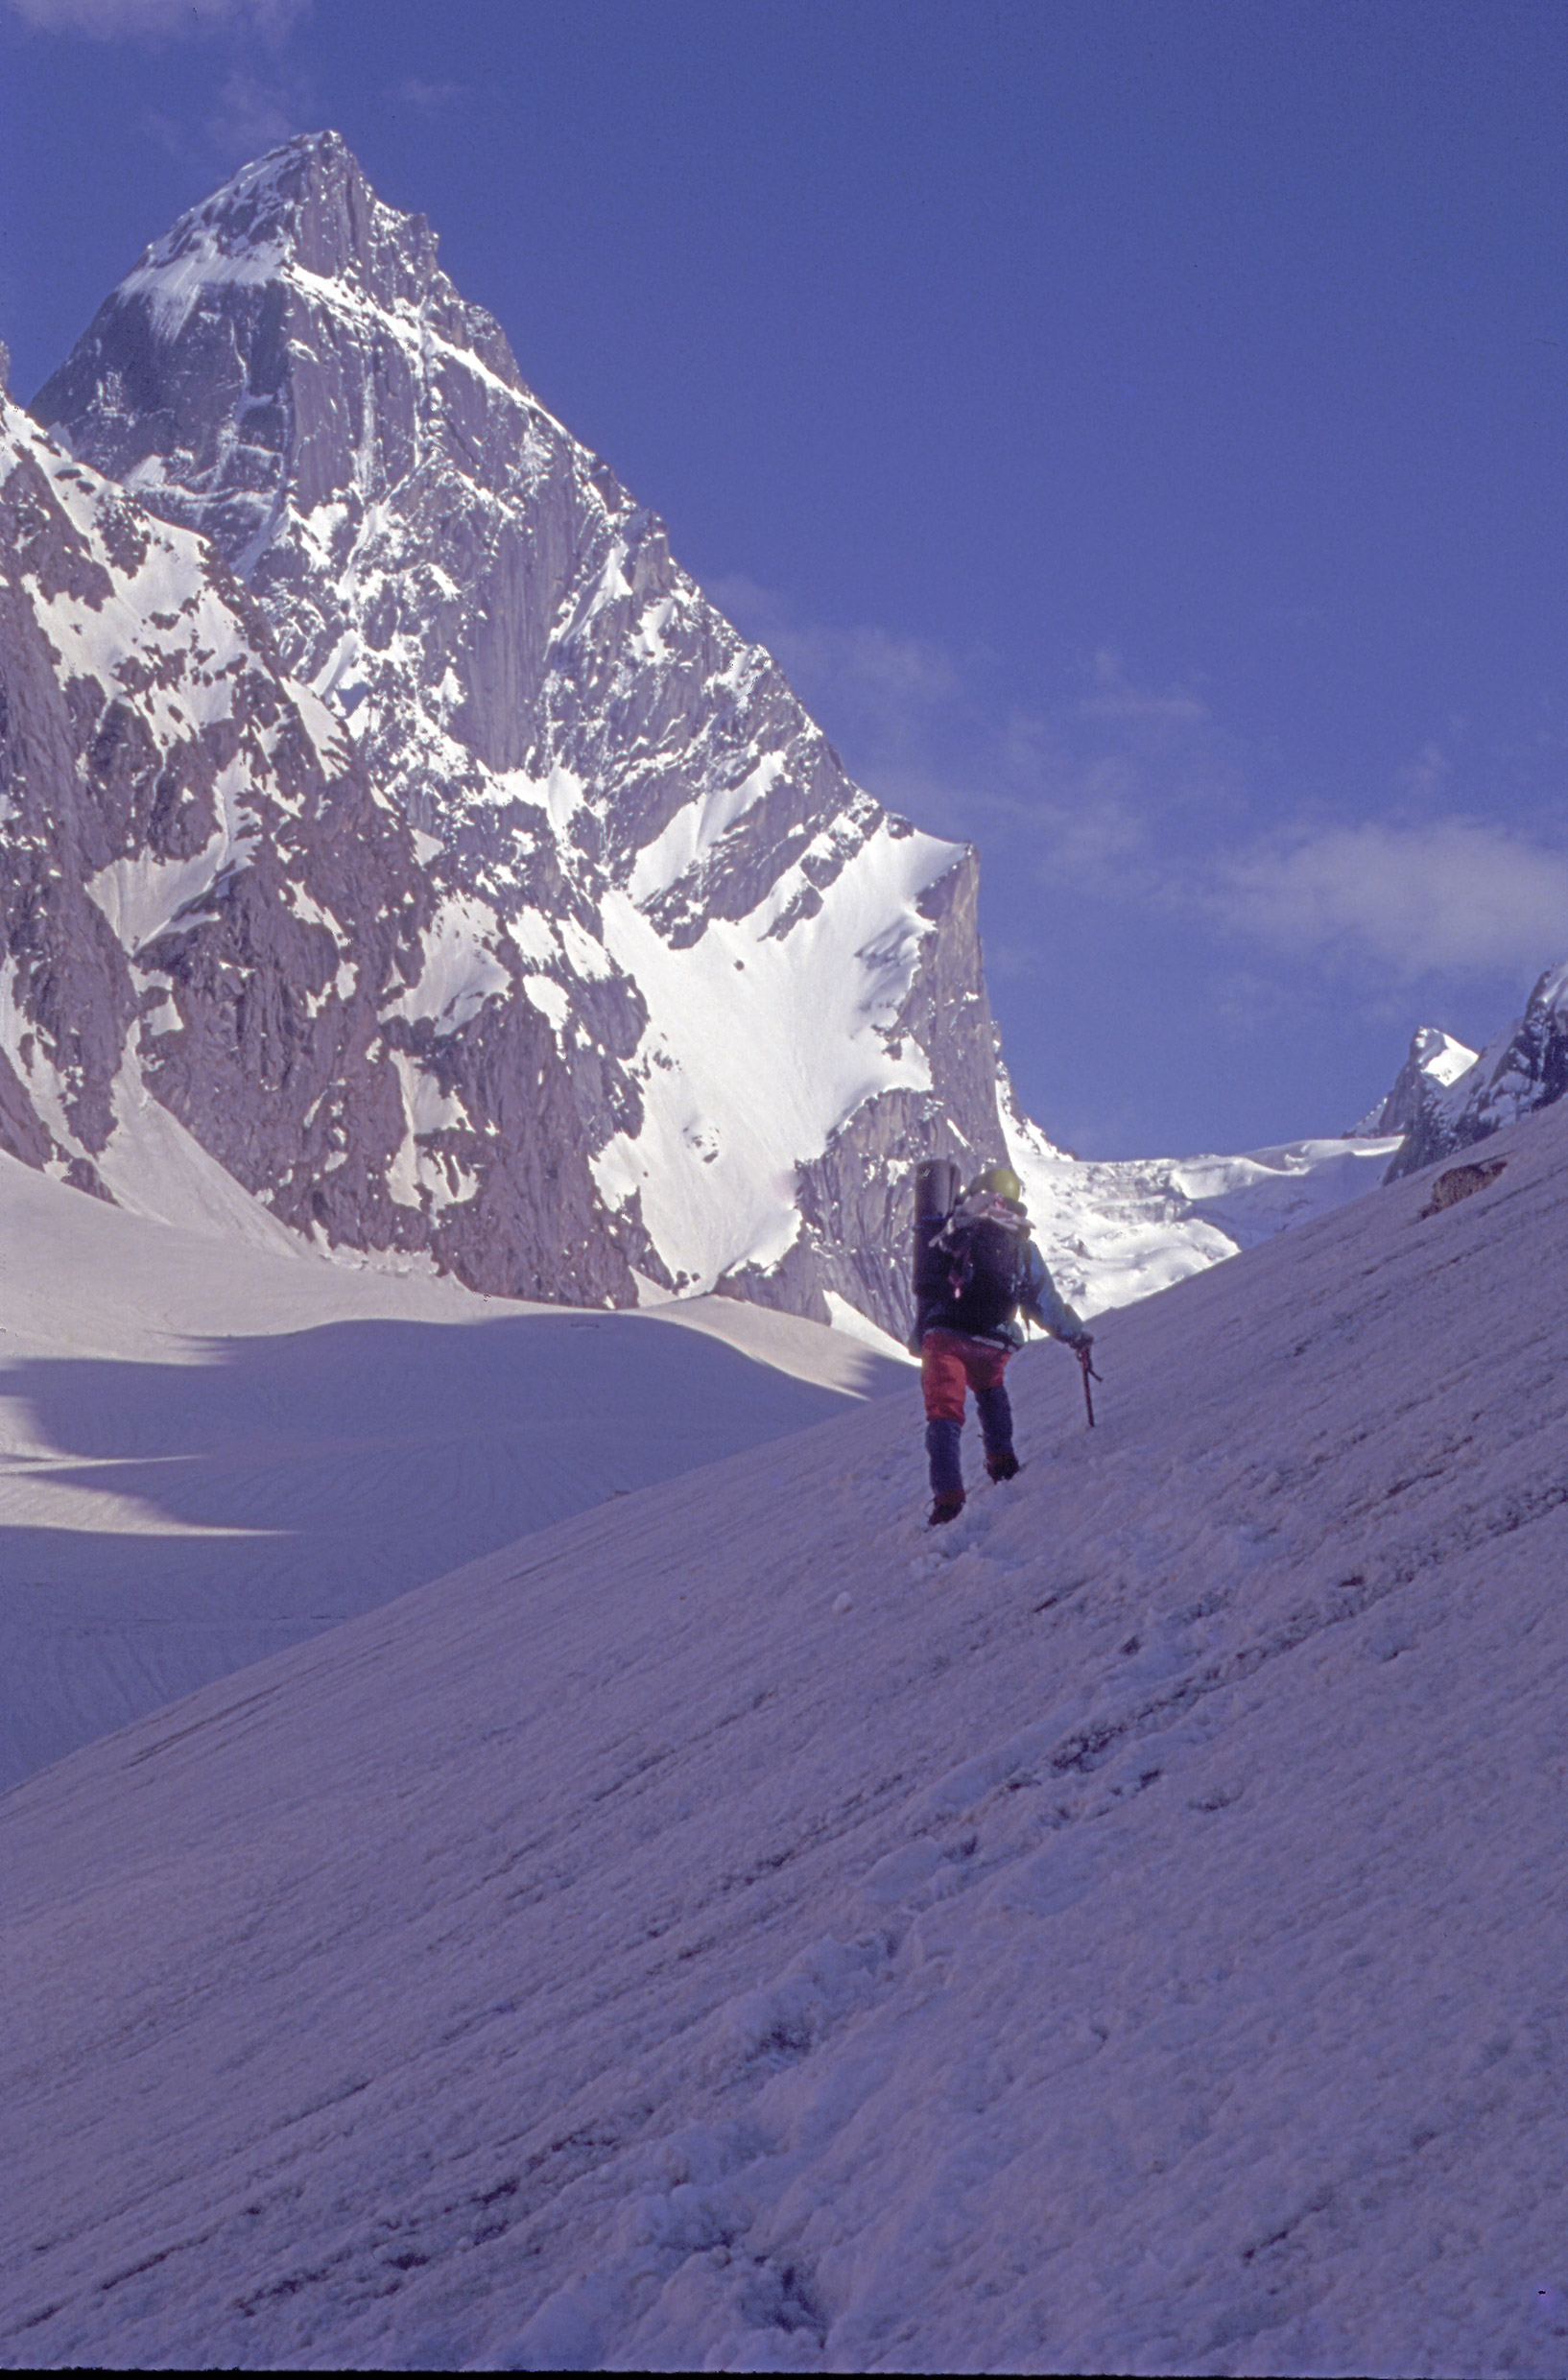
[1116,697]
[248,115]
[115,20]
[1425,779]
[1450,893]
[1073,794]
[427,99]
[1139,796]
[880,688]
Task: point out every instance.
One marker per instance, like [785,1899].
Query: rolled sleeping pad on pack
[938,1185]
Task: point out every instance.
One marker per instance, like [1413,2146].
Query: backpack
[983,1247]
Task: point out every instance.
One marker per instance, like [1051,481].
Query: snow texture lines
[735,1930]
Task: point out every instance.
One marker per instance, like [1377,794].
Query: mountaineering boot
[946,1507]
[1002,1466]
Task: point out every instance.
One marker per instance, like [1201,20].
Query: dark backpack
[985,1261]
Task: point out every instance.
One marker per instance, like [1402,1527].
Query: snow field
[214,1445]
[805,1015]
[738,1929]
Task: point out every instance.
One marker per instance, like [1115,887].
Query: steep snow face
[205,914]
[1522,1068]
[1119,1932]
[764,992]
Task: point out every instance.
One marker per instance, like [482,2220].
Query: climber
[975,1270]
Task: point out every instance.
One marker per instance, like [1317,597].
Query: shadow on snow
[371,1456]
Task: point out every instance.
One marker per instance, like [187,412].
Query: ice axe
[1086,1367]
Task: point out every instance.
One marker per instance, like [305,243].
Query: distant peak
[1435,1061]
[1551,992]
[1439,1052]
[292,253]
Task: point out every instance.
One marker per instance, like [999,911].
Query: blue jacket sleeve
[1042,1301]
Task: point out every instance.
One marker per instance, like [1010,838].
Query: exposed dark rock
[1461,1181]
[1434,1062]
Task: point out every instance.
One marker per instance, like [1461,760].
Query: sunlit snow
[737,1929]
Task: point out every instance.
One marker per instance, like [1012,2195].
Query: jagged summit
[299,218]
[1435,1061]
[1523,1067]
[306,204]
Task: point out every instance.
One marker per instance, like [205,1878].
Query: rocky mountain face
[1523,1067]
[204,901]
[445,861]
[1435,1062]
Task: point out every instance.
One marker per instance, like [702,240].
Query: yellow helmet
[1001,1180]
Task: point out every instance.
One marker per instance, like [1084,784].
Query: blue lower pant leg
[995,1419]
[942,1451]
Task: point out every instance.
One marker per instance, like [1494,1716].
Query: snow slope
[212,1449]
[737,1929]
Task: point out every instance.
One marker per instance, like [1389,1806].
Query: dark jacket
[937,1308]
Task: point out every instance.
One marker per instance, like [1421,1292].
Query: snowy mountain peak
[1523,1067]
[1436,1059]
[762,994]
[306,210]
[681,1005]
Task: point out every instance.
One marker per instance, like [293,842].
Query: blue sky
[1138,427]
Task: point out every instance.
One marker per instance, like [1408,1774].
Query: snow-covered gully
[736,1928]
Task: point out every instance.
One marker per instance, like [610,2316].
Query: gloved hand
[916,1343]
[1079,1340]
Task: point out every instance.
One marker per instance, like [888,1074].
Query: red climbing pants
[950,1364]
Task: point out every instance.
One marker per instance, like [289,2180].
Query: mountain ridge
[1523,1066]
